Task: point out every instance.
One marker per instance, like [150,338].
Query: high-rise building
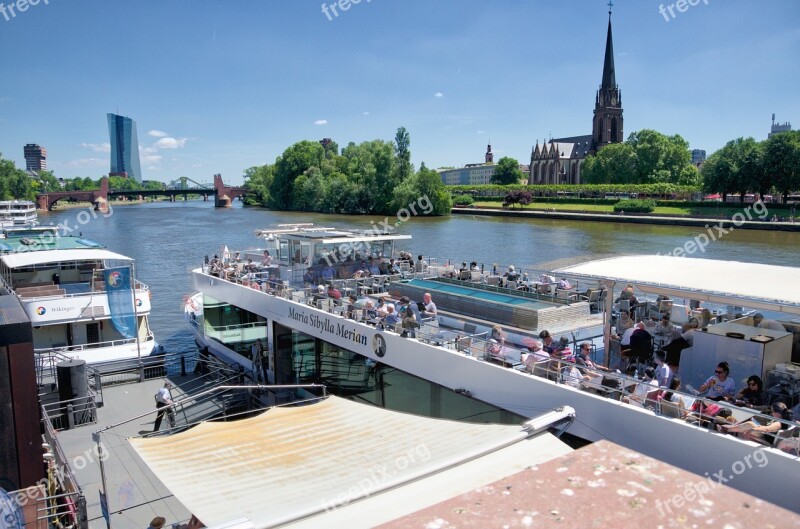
[35,158]
[124,147]
[698,156]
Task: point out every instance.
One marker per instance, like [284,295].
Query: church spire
[609,79]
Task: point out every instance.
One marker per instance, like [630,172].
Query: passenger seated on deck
[564,284]
[351,311]
[753,395]
[391,321]
[535,355]
[510,275]
[547,342]
[762,433]
[497,339]
[334,293]
[585,363]
[267,259]
[644,387]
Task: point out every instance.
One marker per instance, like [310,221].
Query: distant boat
[17,213]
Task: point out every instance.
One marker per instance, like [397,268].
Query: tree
[14,183]
[258,181]
[294,161]
[426,191]
[507,172]
[402,149]
[614,164]
[782,162]
[736,168]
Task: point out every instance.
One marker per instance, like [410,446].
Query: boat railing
[64,349]
[58,498]
[46,366]
[71,413]
[57,291]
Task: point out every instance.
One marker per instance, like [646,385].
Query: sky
[218,87]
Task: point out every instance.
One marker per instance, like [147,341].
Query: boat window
[283,251]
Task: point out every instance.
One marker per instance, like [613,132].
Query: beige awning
[300,463]
[753,285]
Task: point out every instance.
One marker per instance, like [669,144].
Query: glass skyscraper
[124,147]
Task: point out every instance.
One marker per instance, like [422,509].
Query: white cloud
[97,147]
[365,113]
[321,122]
[438,94]
[481,132]
[86,163]
[170,143]
[158,133]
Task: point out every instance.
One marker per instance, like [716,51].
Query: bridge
[224,195]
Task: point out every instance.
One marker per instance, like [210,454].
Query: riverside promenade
[634,218]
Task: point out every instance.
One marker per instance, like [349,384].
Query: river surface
[170,239]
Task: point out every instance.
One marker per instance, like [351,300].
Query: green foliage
[402,146]
[425,188]
[463,200]
[781,160]
[362,179]
[646,157]
[593,191]
[746,166]
[507,172]
[635,206]
[14,183]
[614,164]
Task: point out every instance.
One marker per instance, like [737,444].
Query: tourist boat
[17,213]
[450,368]
[62,285]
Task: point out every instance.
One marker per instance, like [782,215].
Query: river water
[169,239]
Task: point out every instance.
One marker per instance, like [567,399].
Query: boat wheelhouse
[61,285]
[450,366]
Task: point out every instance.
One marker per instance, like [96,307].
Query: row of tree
[646,157]
[18,184]
[745,165]
[373,177]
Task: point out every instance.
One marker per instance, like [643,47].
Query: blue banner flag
[120,300]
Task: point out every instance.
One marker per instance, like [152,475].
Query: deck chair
[788,433]
[511,285]
[669,409]
[464,345]
[650,400]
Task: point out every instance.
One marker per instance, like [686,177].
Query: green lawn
[718,212]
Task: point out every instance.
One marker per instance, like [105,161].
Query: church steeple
[489,155]
[607,122]
[609,79]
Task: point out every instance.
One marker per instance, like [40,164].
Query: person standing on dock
[164,399]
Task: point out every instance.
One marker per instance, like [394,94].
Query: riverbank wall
[631,218]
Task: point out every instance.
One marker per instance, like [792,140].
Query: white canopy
[302,463]
[16,260]
[760,286]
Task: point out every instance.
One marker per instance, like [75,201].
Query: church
[559,160]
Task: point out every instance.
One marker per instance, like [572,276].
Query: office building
[35,158]
[124,147]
